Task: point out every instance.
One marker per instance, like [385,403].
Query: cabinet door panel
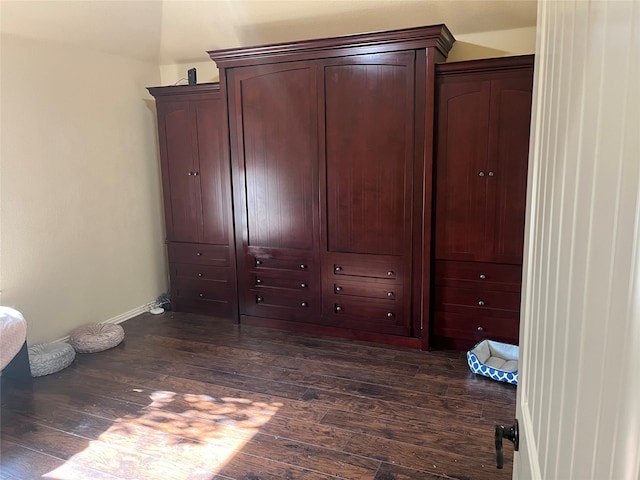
[508,154]
[461,169]
[184,212]
[214,176]
[369,149]
[278,127]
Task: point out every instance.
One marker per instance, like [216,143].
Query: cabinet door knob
[480,329]
[337,268]
[258,262]
[390,273]
[390,294]
[303,266]
[491,174]
[303,285]
[259,299]
[338,289]
[390,315]
[198,254]
[338,308]
[258,281]
[304,304]
[481,174]
[201,295]
[190,173]
[482,276]
[481,302]
[199,275]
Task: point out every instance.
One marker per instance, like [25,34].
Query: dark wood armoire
[302,192]
[194,155]
[482,144]
[330,144]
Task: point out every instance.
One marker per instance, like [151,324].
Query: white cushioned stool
[96,337]
[47,358]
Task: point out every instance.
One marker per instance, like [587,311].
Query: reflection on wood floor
[193,397]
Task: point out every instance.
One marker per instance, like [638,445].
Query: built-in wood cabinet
[354,186]
[197,198]
[330,157]
[482,141]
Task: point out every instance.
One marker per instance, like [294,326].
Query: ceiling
[180,31]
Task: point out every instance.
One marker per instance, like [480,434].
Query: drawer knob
[199,275]
[390,294]
[482,276]
[198,254]
[258,262]
[303,266]
[338,308]
[337,268]
[304,304]
[390,315]
[338,289]
[390,273]
[480,329]
[303,285]
[201,295]
[481,302]
[258,281]
[259,299]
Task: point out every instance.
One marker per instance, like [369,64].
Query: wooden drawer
[276,297]
[264,258]
[281,304]
[476,327]
[372,311]
[200,272]
[381,289]
[217,290]
[448,297]
[299,281]
[488,276]
[364,266]
[380,316]
[199,253]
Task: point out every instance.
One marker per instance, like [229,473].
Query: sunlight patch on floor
[177,436]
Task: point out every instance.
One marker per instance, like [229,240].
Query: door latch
[510,433]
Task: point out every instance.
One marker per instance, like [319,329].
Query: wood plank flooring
[193,397]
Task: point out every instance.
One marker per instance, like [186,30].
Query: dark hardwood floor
[193,397]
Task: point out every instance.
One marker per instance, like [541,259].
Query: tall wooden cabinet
[330,145]
[192,135]
[354,186]
[482,141]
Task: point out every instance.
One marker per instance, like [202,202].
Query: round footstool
[96,337]
[47,358]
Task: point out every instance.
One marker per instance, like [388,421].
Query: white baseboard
[120,318]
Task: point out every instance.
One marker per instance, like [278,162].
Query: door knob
[510,433]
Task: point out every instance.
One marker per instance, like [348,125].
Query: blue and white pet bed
[495,360]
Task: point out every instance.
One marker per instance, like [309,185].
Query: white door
[579,393]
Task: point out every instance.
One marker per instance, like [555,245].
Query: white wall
[497,43]
[81,225]
[579,392]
